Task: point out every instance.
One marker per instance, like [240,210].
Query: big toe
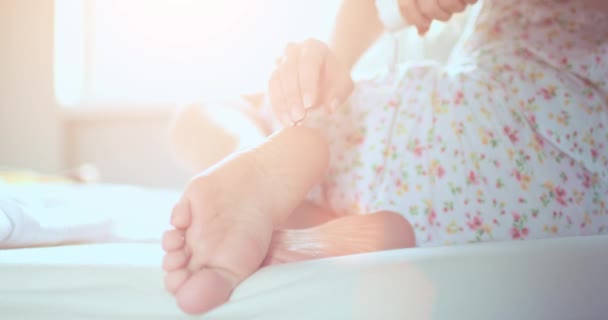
[205,290]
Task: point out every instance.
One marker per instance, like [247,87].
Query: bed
[543,279]
[121,279]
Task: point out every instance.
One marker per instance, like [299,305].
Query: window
[158,52]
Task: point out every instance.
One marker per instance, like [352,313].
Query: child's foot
[226,217]
[221,237]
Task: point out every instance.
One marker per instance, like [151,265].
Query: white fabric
[53,213]
[390,15]
[542,279]
[438,44]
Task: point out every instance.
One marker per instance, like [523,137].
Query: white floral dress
[508,141]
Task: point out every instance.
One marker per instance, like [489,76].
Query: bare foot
[224,222]
[342,236]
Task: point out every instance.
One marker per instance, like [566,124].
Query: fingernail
[297,113]
[423,31]
[308,101]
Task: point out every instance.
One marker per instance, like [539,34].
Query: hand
[307,76]
[421,13]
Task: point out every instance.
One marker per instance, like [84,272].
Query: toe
[173,240]
[205,290]
[181,216]
[175,260]
[175,279]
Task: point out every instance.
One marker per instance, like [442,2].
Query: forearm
[357,28]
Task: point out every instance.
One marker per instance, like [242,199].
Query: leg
[203,135]
[308,215]
[342,236]
[226,217]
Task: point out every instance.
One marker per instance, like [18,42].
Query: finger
[337,85]
[413,15]
[290,82]
[470,1]
[452,6]
[432,10]
[310,65]
[277,102]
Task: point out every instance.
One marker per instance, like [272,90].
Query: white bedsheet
[544,279]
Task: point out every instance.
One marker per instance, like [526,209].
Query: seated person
[508,141]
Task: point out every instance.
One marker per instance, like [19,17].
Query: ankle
[290,163]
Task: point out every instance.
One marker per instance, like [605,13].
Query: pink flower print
[560,195]
[475,224]
[548,93]
[458,98]
[499,184]
[594,154]
[432,216]
[512,134]
[532,119]
[440,172]
[473,178]
[379,169]
[436,170]
[524,232]
[517,174]
[586,181]
[515,233]
[538,143]
[516,216]
[557,214]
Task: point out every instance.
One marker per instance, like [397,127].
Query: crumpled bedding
[43,214]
